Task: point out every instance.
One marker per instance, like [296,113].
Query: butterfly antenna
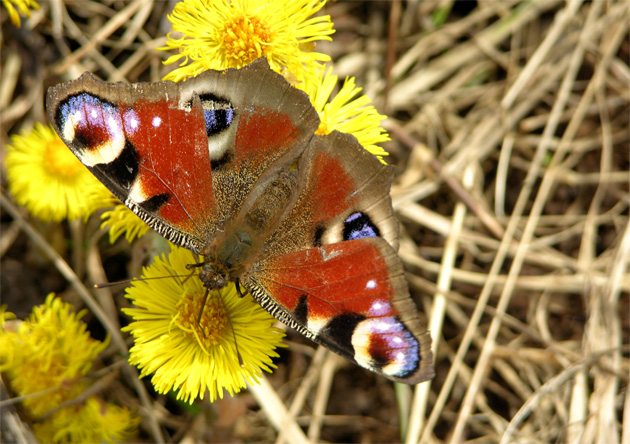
[112,284]
[128,281]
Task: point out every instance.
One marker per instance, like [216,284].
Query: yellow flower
[22,6]
[5,316]
[189,356]
[46,178]
[222,34]
[94,421]
[345,113]
[121,220]
[49,354]
[50,350]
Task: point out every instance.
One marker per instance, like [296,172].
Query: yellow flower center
[60,161]
[245,38]
[214,320]
[323,128]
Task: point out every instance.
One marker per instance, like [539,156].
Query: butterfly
[228,165]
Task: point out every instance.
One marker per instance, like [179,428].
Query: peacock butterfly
[227,165]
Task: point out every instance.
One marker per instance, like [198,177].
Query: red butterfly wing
[352,298]
[184,157]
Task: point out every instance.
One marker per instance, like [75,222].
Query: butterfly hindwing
[352,298]
[185,156]
[343,192]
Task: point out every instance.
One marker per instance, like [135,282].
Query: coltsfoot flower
[346,112]
[193,356]
[224,34]
[46,178]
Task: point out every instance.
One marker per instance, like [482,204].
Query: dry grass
[510,128]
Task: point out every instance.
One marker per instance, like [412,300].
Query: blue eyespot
[218,113]
[358,226]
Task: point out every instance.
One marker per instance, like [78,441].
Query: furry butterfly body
[227,165]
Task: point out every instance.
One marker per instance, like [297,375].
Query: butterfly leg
[205,299]
[192,273]
[191,266]
[239,290]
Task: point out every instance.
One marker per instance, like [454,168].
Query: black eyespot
[220,162]
[300,313]
[341,328]
[154,203]
[124,168]
[317,237]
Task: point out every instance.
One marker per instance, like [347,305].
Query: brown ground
[510,128]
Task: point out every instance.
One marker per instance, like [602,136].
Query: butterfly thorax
[229,255]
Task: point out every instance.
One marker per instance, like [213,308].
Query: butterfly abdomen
[267,210]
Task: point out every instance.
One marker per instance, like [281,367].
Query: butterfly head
[213,277]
